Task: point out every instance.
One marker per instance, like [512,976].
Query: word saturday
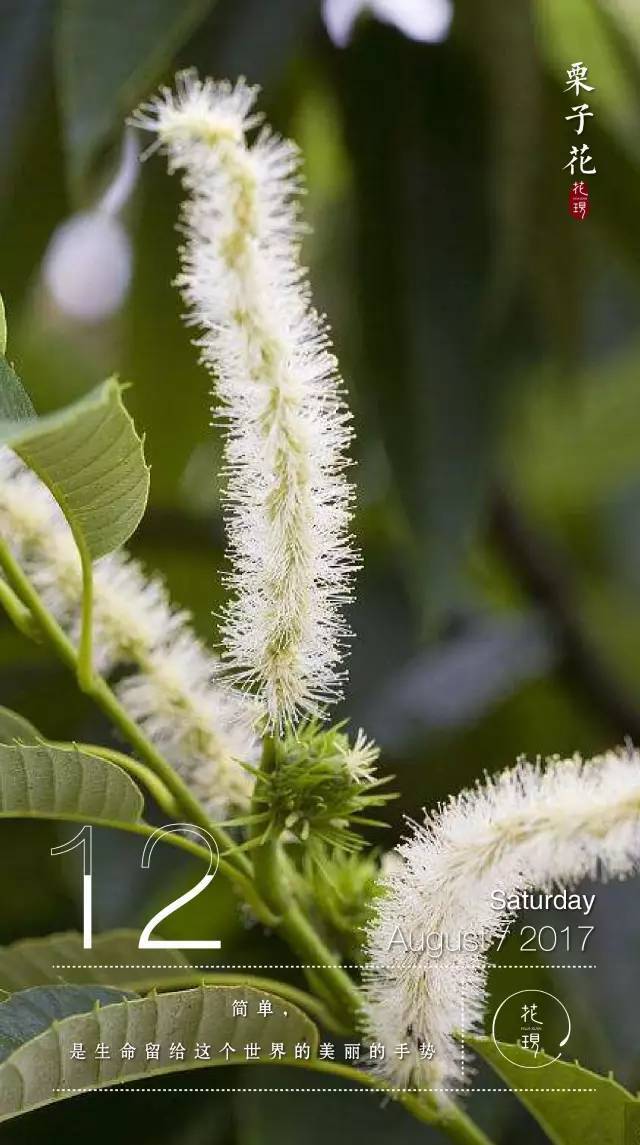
[534,900]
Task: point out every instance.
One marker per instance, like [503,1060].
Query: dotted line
[308,1089]
[543,966]
[293,966]
[207,966]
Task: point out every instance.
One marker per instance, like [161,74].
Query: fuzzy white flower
[530,827]
[360,758]
[276,391]
[172,692]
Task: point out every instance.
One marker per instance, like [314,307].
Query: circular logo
[534,1021]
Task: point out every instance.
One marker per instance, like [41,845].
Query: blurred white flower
[87,265]
[426,20]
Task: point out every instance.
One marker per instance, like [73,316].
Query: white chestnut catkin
[276,391]
[529,827]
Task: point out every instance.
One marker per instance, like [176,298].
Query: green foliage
[64,783]
[89,456]
[29,1013]
[108,57]
[317,790]
[37,1065]
[573,1105]
[342,888]
[14,727]
[480,270]
[15,403]
[31,962]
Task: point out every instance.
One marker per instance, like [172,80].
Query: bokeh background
[490,348]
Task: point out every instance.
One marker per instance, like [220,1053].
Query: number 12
[84,839]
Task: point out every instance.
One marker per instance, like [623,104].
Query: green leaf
[15,727]
[31,1012]
[117,960]
[58,783]
[15,403]
[90,457]
[40,1070]
[568,1117]
[108,57]
[3,327]
[31,962]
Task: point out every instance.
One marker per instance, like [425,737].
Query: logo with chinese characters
[533,1020]
[580,158]
[579,200]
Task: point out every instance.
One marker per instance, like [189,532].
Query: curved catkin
[276,392]
[167,679]
[528,828]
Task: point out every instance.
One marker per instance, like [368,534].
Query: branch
[273,901]
[272,886]
[236,866]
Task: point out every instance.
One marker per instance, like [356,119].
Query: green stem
[450,1118]
[273,888]
[266,866]
[273,902]
[85,645]
[337,984]
[17,612]
[101,693]
[106,699]
[132,828]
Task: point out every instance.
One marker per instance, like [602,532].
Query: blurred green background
[489,344]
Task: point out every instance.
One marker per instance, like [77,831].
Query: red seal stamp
[579,200]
